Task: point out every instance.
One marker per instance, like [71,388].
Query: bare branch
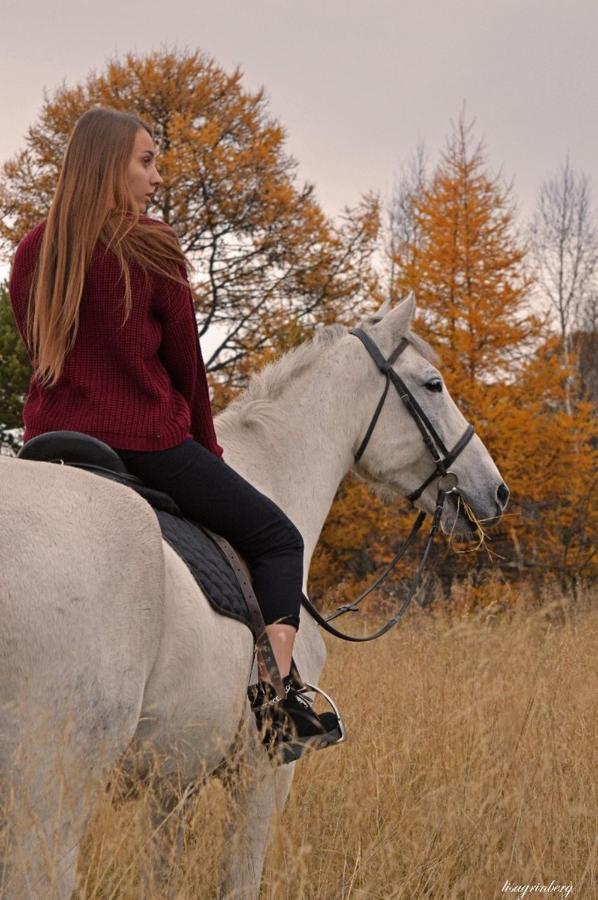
[564,246]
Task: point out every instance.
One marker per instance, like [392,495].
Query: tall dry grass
[472,760]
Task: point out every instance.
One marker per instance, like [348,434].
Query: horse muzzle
[465,512]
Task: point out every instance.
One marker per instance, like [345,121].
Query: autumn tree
[548,457]
[460,252]
[564,257]
[264,252]
[564,248]
[468,273]
[401,231]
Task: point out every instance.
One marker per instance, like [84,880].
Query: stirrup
[302,687]
[312,689]
[281,750]
[336,732]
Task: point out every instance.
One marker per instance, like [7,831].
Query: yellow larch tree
[465,263]
[467,271]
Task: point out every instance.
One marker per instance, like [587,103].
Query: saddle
[209,557]
[212,561]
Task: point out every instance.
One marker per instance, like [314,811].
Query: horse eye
[434,385]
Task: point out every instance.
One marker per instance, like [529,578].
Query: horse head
[412,431]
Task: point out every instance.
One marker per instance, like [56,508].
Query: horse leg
[52,775]
[257,791]
[261,791]
[37,861]
[82,574]
[168,807]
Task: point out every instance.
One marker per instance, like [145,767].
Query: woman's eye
[434,385]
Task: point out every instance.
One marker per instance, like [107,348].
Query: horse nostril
[502,494]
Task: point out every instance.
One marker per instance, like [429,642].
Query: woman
[102,300]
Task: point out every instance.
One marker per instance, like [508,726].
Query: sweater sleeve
[180,353]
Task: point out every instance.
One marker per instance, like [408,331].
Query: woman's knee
[294,536]
[284,539]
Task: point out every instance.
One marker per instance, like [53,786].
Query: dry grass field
[472,761]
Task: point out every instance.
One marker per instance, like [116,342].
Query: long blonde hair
[92,202]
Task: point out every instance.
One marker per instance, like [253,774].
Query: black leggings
[208,490]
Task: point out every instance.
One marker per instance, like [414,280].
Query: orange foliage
[264,251]
[466,268]
[270,264]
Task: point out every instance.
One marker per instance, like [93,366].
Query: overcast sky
[356,83]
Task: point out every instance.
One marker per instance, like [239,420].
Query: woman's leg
[282,639]
[208,490]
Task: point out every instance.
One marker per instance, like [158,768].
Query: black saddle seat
[73,448]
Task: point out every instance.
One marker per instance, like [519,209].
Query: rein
[447,484]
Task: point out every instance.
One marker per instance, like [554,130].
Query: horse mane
[255,403]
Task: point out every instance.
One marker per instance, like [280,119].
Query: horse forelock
[423,348]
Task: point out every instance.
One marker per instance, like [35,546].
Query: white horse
[107,642]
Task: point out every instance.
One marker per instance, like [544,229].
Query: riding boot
[288,725]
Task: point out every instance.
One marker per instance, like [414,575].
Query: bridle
[441,456]
[447,484]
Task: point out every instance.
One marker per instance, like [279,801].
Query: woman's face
[142,175]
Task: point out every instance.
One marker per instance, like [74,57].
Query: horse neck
[300,461]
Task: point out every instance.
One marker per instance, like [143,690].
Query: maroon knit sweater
[139,387]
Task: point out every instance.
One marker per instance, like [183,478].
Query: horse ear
[379,314]
[398,321]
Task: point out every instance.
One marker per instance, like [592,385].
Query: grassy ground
[471,761]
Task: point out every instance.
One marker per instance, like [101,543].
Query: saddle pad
[203,557]
[206,563]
